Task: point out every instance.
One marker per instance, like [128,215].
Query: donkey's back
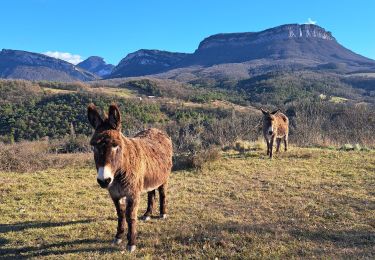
[155,150]
[155,144]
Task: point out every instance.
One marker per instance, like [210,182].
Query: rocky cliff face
[291,41]
[283,32]
[16,64]
[97,66]
[144,62]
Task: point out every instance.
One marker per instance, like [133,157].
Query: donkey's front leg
[271,146]
[268,146]
[163,200]
[131,219]
[278,141]
[120,209]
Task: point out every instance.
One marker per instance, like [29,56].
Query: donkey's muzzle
[104,183]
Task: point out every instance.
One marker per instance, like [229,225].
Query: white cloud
[310,21]
[72,58]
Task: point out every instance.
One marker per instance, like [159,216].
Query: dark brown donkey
[129,166]
[275,126]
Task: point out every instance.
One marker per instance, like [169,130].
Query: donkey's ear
[274,112]
[114,117]
[265,112]
[93,116]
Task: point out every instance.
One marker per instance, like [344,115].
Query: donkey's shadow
[5,228]
[67,247]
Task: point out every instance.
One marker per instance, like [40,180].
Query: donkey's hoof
[131,248]
[146,218]
[117,241]
[163,216]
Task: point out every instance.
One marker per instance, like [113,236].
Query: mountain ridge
[155,61]
[18,64]
[222,56]
[302,45]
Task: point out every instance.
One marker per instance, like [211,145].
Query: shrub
[71,144]
[327,124]
[145,86]
[347,147]
[196,161]
[242,146]
[206,156]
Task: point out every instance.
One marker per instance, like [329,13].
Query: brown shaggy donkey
[129,166]
[275,126]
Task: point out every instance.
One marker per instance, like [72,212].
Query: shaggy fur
[275,126]
[129,166]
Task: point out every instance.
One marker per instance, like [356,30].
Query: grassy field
[57,91]
[307,203]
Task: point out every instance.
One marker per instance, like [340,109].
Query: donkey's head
[107,143]
[269,121]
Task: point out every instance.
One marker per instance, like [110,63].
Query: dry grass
[243,146]
[119,92]
[34,156]
[57,91]
[217,104]
[307,203]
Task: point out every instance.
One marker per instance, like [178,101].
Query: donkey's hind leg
[150,205]
[286,143]
[163,200]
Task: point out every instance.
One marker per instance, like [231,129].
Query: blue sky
[113,28]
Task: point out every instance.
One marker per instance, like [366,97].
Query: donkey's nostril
[270,132]
[104,183]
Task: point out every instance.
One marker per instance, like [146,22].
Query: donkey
[129,166]
[275,126]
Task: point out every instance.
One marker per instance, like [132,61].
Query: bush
[328,124]
[242,146]
[206,156]
[347,147]
[144,86]
[197,160]
[71,144]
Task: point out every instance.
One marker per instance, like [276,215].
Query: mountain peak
[282,32]
[95,58]
[96,65]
